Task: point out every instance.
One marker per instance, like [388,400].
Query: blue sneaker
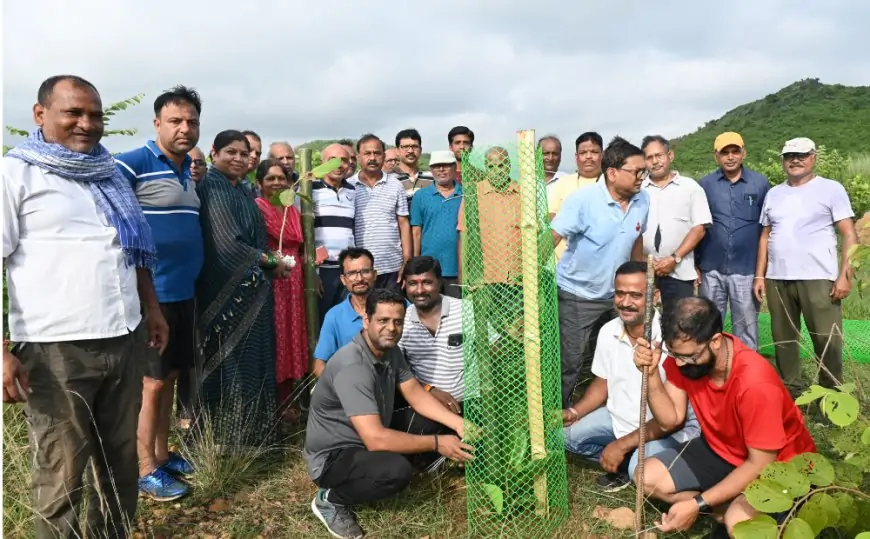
[178,465]
[161,486]
[339,520]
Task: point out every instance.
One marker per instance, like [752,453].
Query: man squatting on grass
[747,417]
[354,451]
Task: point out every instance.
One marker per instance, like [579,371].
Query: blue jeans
[589,436]
[734,292]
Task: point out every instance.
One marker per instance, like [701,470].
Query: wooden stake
[309,271]
[649,315]
[531,309]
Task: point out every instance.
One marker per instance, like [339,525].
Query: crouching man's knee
[739,510]
[657,481]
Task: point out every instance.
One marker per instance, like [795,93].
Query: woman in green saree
[236,306]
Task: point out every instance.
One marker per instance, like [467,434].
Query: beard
[696,372]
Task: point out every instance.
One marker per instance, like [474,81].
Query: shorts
[694,466]
[180,353]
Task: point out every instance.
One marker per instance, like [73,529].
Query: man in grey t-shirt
[352,453]
[797,266]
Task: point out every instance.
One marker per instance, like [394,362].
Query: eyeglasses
[639,173]
[405,147]
[689,359]
[796,156]
[198,162]
[356,274]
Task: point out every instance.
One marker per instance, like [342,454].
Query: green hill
[833,115]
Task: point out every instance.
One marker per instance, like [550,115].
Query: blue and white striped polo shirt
[171,207]
[334,211]
[378,209]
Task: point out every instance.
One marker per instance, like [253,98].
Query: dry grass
[265,491]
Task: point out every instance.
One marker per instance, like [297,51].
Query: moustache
[628,309]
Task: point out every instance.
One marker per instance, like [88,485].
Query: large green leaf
[496,496]
[841,408]
[813,515]
[863,535]
[287,197]
[768,496]
[798,529]
[819,469]
[865,437]
[758,527]
[847,388]
[815,392]
[321,170]
[787,475]
[848,509]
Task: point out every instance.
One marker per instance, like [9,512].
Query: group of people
[178,267]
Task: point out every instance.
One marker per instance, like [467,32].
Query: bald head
[336,151]
[284,154]
[197,164]
[498,166]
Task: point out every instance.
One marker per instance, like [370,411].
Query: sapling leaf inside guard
[287,198]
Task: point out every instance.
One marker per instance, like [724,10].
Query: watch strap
[703,506]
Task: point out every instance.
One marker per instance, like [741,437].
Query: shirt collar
[367,352]
[487,187]
[721,174]
[457,189]
[610,200]
[619,328]
[185,165]
[676,180]
[356,315]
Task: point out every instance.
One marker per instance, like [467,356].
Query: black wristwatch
[703,506]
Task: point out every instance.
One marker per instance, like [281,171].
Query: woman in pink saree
[284,230]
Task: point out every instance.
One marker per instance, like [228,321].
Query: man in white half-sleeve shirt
[797,264]
[78,255]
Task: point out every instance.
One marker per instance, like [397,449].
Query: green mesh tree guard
[516,484]
[856,339]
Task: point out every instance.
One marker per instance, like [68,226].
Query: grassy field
[266,492]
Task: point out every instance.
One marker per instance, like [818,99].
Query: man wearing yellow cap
[727,254]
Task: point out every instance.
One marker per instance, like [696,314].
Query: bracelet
[759,277]
[436,442]
[271,262]
[428,387]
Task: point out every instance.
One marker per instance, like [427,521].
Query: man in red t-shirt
[747,417]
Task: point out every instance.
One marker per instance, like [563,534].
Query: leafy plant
[812,492]
[287,197]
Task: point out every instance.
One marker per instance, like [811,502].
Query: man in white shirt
[78,255]
[603,424]
[677,221]
[797,264]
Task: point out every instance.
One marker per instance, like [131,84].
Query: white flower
[290,260]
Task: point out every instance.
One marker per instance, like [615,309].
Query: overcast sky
[329,69]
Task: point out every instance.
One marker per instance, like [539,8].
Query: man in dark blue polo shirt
[159,174]
[434,216]
[726,256]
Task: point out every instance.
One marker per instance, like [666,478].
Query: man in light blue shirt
[603,224]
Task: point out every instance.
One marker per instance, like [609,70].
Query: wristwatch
[677,258]
[703,506]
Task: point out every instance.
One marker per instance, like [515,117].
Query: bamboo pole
[648,317]
[531,309]
[309,271]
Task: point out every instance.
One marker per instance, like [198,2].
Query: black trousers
[389,281]
[355,475]
[673,290]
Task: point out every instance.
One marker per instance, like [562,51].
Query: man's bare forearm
[692,239]
[145,287]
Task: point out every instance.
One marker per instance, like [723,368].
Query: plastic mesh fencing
[856,339]
[516,484]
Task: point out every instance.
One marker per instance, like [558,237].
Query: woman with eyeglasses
[236,303]
[284,234]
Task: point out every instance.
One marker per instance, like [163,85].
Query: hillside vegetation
[833,115]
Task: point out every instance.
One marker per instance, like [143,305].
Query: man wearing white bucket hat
[797,265]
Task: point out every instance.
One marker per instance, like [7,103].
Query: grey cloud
[345,68]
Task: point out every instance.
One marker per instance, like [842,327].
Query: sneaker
[338,519]
[613,482]
[178,465]
[161,486]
